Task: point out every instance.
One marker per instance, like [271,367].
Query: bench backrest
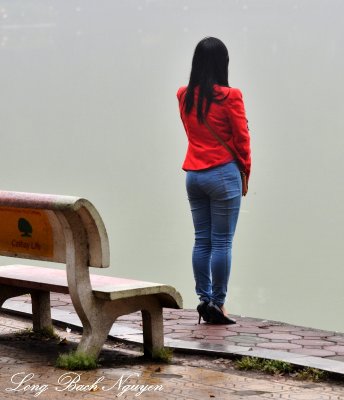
[50,227]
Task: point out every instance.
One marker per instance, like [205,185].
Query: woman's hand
[244,183]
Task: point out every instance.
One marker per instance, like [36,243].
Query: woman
[218,163]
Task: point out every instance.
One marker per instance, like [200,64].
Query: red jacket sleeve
[240,138]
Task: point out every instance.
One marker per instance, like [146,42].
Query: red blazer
[228,120]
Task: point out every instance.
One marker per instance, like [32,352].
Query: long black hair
[209,67]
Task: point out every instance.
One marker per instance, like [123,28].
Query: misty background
[88,108]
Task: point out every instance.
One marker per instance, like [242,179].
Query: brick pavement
[250,336]
[32,359]
[252,332]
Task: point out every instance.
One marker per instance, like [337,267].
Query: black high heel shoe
[202,309]
[216,316]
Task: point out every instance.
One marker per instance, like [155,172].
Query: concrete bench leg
[153,330]
[94,337]
[41,314]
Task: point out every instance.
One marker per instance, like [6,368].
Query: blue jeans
[215,196]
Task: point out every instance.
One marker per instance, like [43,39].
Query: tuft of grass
[24,332]
[164,354]
[76,361]
[48,333]
[312,374]
[275,367]
[45,333]
[249,364]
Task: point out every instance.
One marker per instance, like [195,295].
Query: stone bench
[69,230]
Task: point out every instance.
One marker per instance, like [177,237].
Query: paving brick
[313,342]
[313,333]
[181,330]
[209,338]
[286,328]
[171,322]
[205,326]
[197,336]
[279,346]
[170,317]
[190,322]
[279,336]
[218,332]
[245,339]
[175,335]
[314,352]
[336,338]
[176,327]
[337,349]
[247,329]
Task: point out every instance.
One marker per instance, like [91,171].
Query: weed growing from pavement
[275,367]
[45,333]
[312,374]
[76,361]
[164,354]
[269,366]
[24,332]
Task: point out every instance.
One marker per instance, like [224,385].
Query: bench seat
[104,287]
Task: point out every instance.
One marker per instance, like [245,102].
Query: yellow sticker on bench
[26,232]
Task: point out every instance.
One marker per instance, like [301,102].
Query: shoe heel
[202,309]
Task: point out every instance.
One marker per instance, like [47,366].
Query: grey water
[88,108]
